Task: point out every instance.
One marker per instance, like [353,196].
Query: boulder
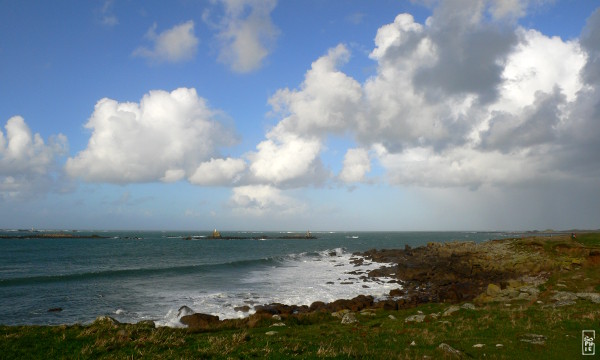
[349,318]
[449,311]
[593,297]
[199,321]
[449,349]
[183,311]
[492,290]
[415,318]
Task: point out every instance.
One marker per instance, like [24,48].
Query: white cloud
[326,101]
[260,200]
[246,33]
[165,136]
[173,45]
[27,163]
[218,172]
[461,100]
[356,165]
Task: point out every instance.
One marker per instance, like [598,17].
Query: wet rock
[56,309]
[244,308]
[183,311]
[318,306]
[199,321]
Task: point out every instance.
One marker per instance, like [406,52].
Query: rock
[449,311]
[492,290]
[478,345]
[534,339]
[468,306]
[199,321]
[391,317]
[340,314]
[317,306]
[396,292]
[593,297]
[349,318]
[183,311]
[499,345]
[561,303]
[367,313]
[449,349]
[244,308]
[271,333]
[413,343]
[564,296]
[57,309]
[276,317]
[122,335]
[106,320]
[279,324]
[415,318]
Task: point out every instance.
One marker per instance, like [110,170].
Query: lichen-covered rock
[349,318]
[415,318]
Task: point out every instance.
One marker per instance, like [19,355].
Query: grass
[323,336]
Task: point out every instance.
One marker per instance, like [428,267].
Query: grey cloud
[536,125]
[590,40]
[470,57]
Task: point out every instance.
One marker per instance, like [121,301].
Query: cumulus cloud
[460,100]
[173,45]
[218,172]
[260,200]
[326,102]
[166,136]
[246,33]
[356,165]
[27,163]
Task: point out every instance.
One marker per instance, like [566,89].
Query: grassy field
[523,329]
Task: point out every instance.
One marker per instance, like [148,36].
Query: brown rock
[199,321]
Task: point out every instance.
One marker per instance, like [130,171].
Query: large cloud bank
[460,100]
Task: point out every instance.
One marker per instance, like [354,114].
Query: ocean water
[134,276]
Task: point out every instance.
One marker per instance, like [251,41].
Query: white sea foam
[301,279]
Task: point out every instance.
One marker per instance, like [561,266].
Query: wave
[138,272]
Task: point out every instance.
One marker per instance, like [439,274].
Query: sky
[300,115]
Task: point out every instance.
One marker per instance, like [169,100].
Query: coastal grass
[501,330]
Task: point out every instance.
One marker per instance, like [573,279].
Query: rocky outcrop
[199,321]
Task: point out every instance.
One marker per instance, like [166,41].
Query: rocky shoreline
[452,273]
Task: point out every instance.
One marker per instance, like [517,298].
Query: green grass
[322,335]
[589,239]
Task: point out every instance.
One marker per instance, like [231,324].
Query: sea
[149,275]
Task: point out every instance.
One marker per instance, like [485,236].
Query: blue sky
[293,115]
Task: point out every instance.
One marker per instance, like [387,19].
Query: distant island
[52,236]
[216,235]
